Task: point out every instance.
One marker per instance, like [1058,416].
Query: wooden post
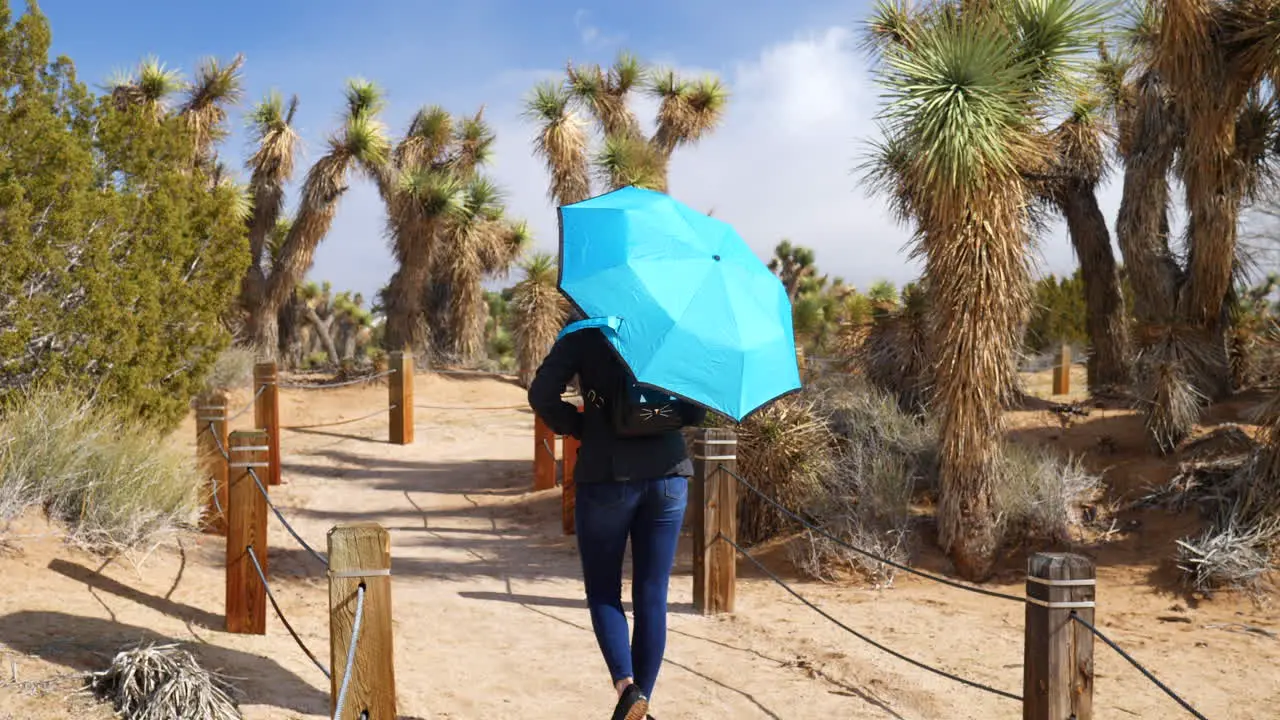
[247,527]
[1058,665]
[212,450]
[266,414]
[360,556]
[400,389]
[1062,372]
[801,364]
[714,500]
[544,455]
[567,488]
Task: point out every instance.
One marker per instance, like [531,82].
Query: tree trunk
[1108,330]
[264,331]
[406,329]
[322,332]
[291,324]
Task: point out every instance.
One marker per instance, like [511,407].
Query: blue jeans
[650,512]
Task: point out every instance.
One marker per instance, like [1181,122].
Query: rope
[1185,705]
[330,386]
[547,447]
[864,638]
[522,406]
[262,489]
[868,553]
[339,422]
[218,441]
[247,408]
[351,653]
[280,614]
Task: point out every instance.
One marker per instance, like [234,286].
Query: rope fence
[1057,662]
[240,467]
[1059,596]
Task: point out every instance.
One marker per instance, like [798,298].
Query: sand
[488,605]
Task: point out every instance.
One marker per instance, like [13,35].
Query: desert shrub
[784,450]
[112,480]
[163,682]
[119,257]
[1041,496]
[233,369]
[882,457]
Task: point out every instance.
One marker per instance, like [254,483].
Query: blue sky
[780,166]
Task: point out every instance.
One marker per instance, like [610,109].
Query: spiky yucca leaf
[364,97]
[271,166]
[625,160]
[216,87]
[689,110]
[539,311]
[427,140]
[892,22]
[561,142]
[475,139]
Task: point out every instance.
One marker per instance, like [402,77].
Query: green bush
[115,482]
[120,253]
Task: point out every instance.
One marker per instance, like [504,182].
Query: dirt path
[489,612]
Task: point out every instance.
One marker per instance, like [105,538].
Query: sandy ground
[490,618]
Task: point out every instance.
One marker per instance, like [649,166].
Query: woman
[629,482]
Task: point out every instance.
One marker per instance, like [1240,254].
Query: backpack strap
[608,324]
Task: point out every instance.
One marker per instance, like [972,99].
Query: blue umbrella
[687,305]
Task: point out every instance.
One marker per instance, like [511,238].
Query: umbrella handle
[612,323]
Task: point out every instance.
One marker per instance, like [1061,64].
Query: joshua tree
[965,89]
[1188,89]
[1077,166]
[362,142]
[539,311]
[792,264]
[688,111]
[270,168]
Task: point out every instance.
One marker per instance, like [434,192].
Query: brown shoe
[632,705]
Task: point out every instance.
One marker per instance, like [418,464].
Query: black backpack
[634,409]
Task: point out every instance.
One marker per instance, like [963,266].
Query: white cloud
[592,36]
[783,164]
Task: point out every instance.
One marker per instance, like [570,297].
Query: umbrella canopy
[691,309]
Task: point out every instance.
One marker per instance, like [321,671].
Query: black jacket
[604,456]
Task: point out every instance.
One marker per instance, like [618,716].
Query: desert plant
[163,682]
[119,259]
[538,314]
[965,91]
[784,451]
[1042,497]
[232,369]
[115,483]
[687,111]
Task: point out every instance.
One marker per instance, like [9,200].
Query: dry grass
[233,369]
[115,484]
[882,457]
[1041,497]
[163,682]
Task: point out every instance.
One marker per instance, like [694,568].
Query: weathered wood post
[360,557]
[1062,371]
[801,363]
[1058,664]
[266,413]
[567,493]
[544,455]
[212,453]
[400,391]
[713,498]
[247,528]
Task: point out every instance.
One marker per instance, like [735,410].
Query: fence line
[336,423]
[864,552]
[253,556]
[879,646]
[1147,673]
[335,384]
[287,526]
